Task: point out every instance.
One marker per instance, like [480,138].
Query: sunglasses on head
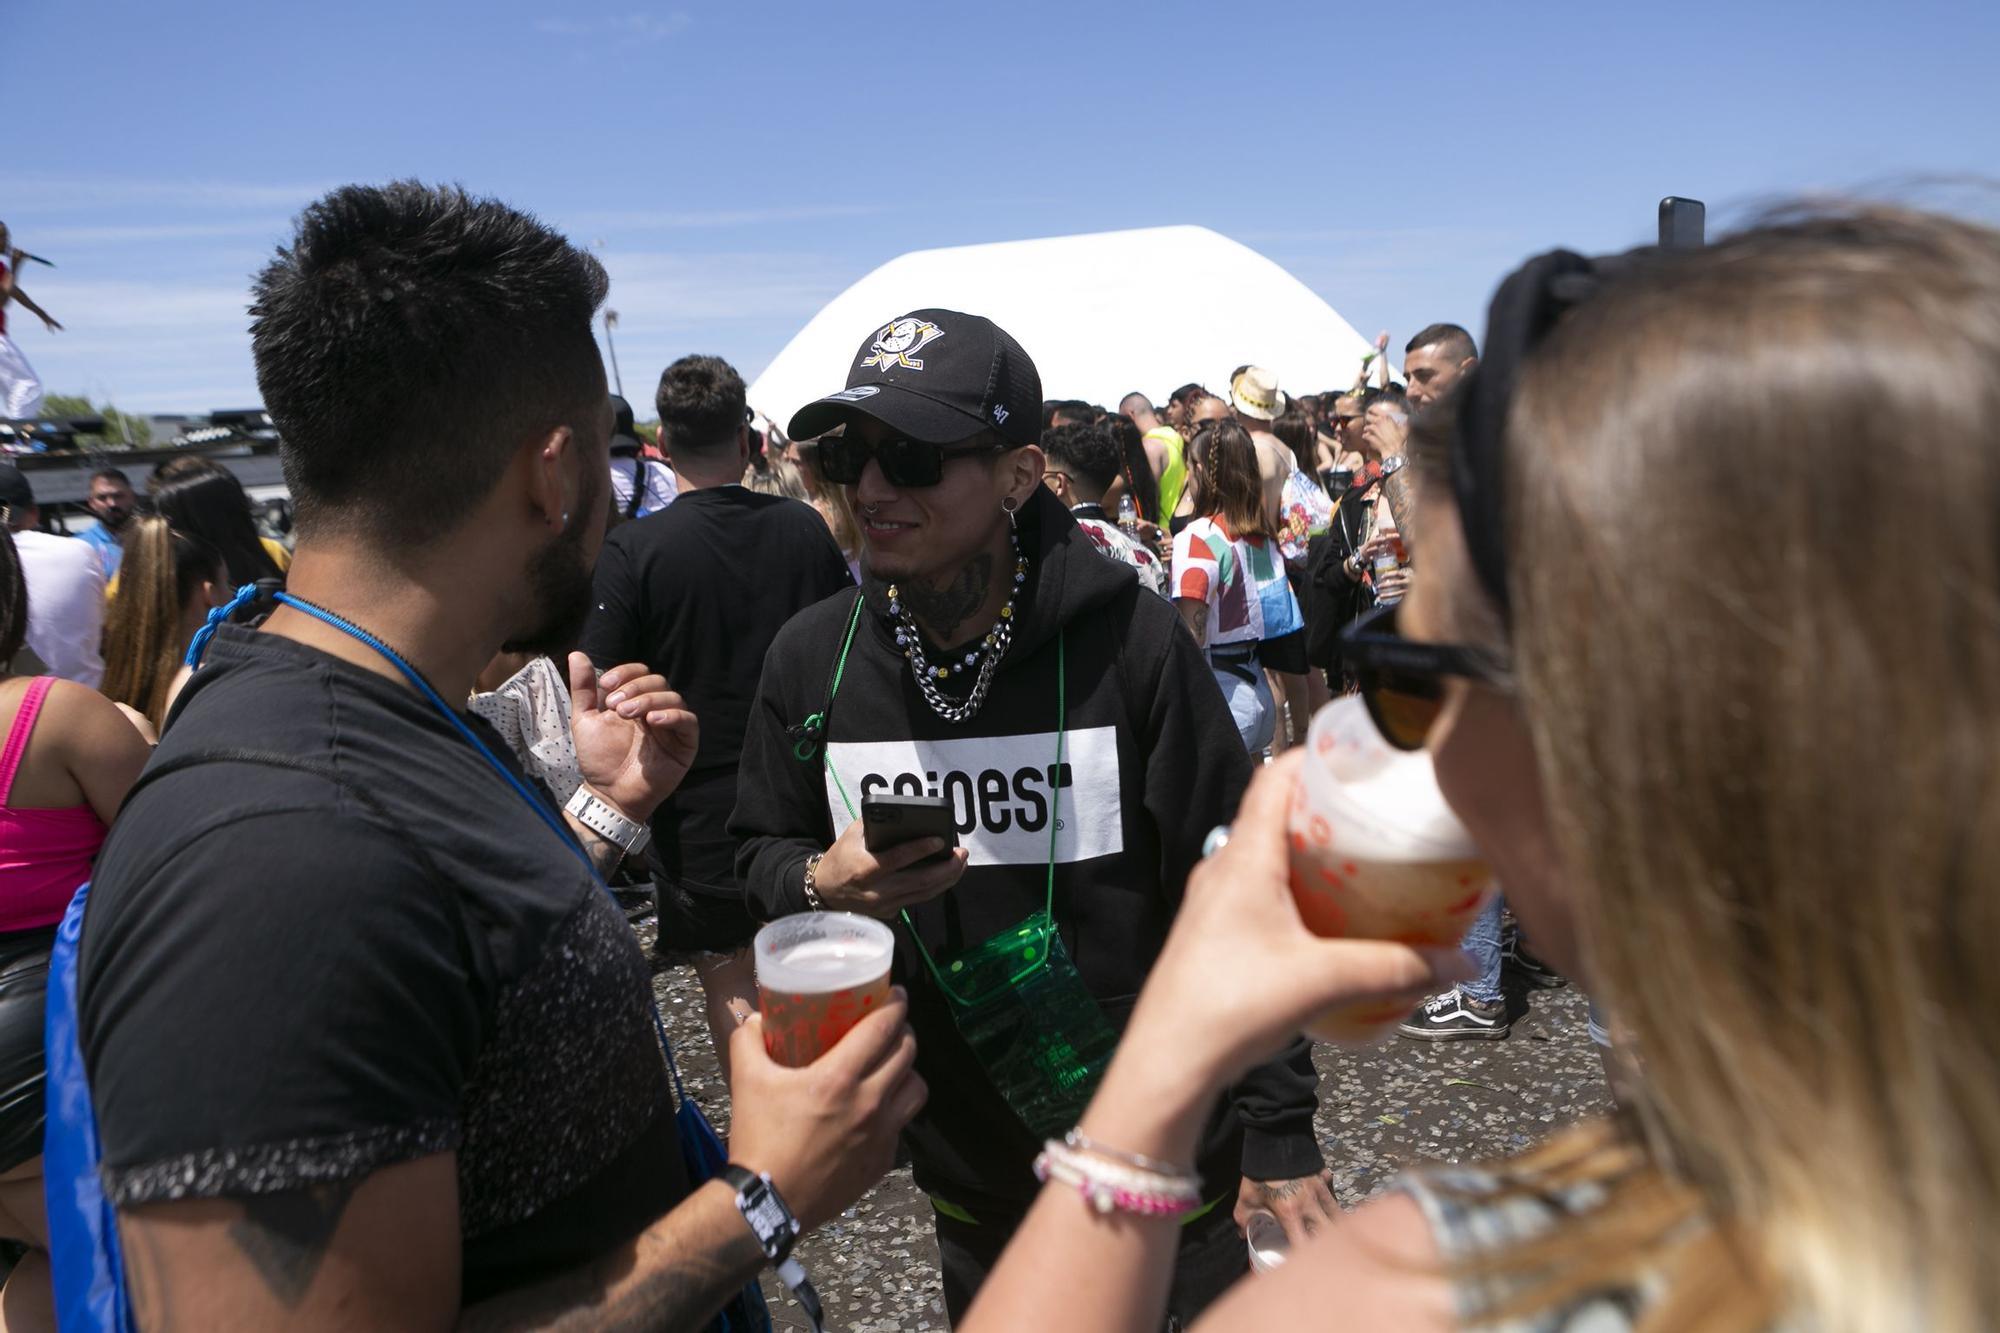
[905,463]
[1402,679]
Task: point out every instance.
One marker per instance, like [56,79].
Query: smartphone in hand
[889,819]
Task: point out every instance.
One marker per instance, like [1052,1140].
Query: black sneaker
[1537,974]
[1456,1016]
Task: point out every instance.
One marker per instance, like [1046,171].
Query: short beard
[559,577]
[559,586]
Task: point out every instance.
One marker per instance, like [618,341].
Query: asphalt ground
[1382,1110]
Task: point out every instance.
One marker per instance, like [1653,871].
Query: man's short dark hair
[1450,339]
[1126,410]
[1089,451]
[1187,393]
[1076,410]
[408,341]
[111,474]
[702,405]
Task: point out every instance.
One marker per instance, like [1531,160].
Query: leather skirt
[24,979]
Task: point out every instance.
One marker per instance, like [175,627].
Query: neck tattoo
[943,610]
[982,660]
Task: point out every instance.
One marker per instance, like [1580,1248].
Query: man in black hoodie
[994,658]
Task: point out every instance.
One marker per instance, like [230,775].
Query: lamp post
[610,323]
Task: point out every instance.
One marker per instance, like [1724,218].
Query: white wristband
[607,822]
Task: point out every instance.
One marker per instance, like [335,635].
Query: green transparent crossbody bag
[1016,998]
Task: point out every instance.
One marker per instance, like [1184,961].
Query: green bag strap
[818,723]
[810,734]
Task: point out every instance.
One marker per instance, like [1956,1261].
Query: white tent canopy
[1101,314]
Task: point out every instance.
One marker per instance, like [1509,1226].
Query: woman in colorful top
[1756,817]
[1229,577]
[67,760]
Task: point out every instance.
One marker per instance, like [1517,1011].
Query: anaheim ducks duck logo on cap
[897,340]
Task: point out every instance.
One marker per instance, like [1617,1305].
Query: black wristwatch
[776,1230]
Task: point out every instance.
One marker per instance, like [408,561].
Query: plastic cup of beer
[1376,854]
[818,974]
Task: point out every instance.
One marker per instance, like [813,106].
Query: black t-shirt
[300,972]
[697,592]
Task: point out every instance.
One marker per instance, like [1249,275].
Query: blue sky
[741,163]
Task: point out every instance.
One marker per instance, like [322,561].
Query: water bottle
[1128,515]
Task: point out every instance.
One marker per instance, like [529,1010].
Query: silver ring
[1217,839]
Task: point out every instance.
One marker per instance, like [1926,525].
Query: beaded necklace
[983,659]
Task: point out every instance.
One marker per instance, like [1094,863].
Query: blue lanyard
[249,593]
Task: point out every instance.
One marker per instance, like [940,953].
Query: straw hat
[1254,393]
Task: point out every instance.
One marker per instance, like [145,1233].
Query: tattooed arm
[385,1256]
[383,1253]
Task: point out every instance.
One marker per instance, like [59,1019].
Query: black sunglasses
[1401,679]
[905,463]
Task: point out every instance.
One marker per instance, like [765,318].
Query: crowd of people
[313,849]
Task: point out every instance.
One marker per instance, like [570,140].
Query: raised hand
[635,738]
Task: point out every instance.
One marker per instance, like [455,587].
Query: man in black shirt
[699,590]
[994,658]
[369,1044]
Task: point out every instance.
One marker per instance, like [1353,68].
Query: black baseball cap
[624,439]
[15,492]
[935,375]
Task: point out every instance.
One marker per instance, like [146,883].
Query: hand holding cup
[1241,973]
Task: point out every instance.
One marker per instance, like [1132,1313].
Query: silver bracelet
[1078,1142]
[812,877]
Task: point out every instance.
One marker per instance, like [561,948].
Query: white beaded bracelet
[1107,1185]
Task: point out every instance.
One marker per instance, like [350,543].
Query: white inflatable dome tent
[1102,315]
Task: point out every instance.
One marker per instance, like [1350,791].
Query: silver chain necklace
[982,661]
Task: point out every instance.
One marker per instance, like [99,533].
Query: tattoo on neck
[942,610]
[285,1235]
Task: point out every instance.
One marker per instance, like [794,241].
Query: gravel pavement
[1381,1110]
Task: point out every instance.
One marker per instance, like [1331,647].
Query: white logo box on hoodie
[999,788]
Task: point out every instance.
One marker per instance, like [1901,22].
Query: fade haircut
[702,405]
[111,474]
[1090,451]
[1076,409]
[1125,403]
[408,341]
[1450,339]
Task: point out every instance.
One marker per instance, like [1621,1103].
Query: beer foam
[815,952]
[1383,804]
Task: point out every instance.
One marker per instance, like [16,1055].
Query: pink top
[44,854]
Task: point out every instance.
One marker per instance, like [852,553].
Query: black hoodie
[1153,762]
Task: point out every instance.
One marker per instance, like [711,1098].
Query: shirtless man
[1254,394]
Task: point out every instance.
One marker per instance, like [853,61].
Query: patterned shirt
[1115,542]
[1305,513]
[1241,578]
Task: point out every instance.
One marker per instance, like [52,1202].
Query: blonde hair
[834,503]
[776,476]
[1754,542]
[143,639]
